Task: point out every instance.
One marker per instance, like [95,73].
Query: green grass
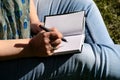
[110,10]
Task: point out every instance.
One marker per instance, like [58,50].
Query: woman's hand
[35,29]
[42,44]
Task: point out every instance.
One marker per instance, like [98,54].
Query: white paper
[67,24]
[73,45]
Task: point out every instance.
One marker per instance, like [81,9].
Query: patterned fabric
[14,19]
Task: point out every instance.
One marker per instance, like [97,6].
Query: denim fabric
[99,60]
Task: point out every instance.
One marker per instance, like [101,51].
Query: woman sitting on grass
[30,59]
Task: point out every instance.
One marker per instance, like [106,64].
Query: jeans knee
[82,5]
[84,2]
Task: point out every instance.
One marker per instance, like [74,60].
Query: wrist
[27,51]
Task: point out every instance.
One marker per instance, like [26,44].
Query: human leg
[87,65]
[96,31]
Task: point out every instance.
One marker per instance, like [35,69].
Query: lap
[53,67]
[95,61]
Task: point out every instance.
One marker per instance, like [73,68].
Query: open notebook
[72,26]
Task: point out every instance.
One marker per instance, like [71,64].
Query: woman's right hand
[42,44]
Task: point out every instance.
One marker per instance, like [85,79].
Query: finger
[42,31]
[42,24]
[44,37]
[54,36]
[55,43]
[58,33]
[45,34]
[35,27]
[49,50]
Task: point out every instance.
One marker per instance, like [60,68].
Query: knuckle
[60,35]
[49,53]
[44,34]
[46,41]
[59,40]
[54,29]
[46,48]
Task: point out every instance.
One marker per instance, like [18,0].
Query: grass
[110,10]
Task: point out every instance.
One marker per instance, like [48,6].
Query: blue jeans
[99,60]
